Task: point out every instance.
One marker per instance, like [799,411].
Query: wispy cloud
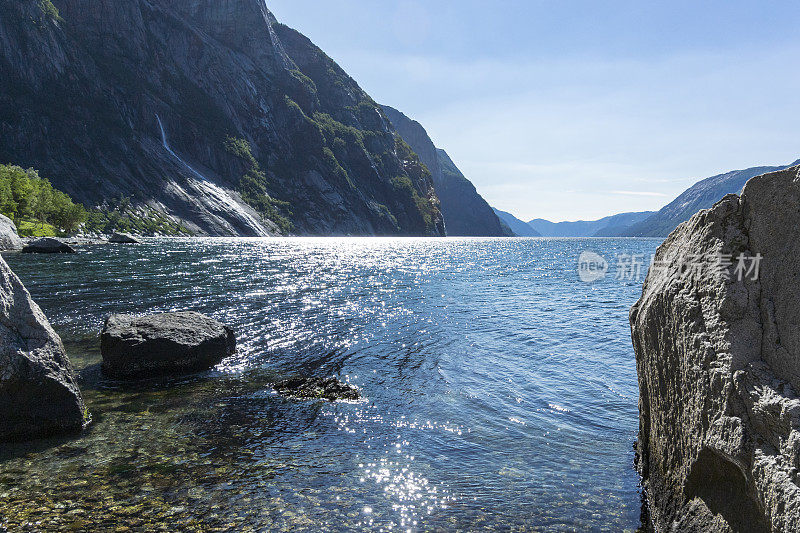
[639,193]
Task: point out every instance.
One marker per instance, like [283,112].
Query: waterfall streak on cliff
[213,191]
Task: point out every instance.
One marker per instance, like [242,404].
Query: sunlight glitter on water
[500,392]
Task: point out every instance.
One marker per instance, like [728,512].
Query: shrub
[122,217]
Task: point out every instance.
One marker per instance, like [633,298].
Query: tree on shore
[26,196]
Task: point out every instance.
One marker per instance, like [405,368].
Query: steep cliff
[466,213]
[718,358]
[517,226]
[208,111]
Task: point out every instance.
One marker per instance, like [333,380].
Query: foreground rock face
[702,195]
[123,238]
[9,239]
[48,245]
[166,344]
[330,389]
[718,360]
[39,396]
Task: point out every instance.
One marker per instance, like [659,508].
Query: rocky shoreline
[719,440]
[716,351]
[39,394]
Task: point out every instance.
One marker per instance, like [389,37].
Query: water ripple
[500,391]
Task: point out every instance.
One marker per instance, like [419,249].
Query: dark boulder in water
[48,245]
[123,238]
[164,344]
[39,396]
[330,389]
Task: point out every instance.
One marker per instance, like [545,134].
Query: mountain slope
[208,111]
[465,212]
[610,226]
[702,195]
[520,228]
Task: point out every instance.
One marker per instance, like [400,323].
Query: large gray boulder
[165,344]
[9,239]
[718,359]
[123,238]
[48,245]
[39,396]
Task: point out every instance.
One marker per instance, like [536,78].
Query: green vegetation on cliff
[403,184]
[121,216]
[253,186]
[39,210]
[34,205]
[50,10]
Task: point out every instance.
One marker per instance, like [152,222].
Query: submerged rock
[39,396]
[48,245]
[165,344]
[123,238]
[9,239]
[330,389]
[718,358]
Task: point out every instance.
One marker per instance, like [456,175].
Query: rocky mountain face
[210,112]
[702,195]
[520,228]
[718,358]
[611,226]
[466,213]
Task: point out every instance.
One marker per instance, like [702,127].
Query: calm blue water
[500,390]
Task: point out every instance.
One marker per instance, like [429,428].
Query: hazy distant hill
[700,196]
[611,226]
[520,228]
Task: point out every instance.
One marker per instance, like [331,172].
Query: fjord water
[500,391]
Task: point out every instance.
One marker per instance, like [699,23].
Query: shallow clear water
[500,390]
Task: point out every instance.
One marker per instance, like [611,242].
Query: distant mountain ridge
[610,226]
[702,195]
[465,212]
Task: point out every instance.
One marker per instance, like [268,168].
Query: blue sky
[578,109]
